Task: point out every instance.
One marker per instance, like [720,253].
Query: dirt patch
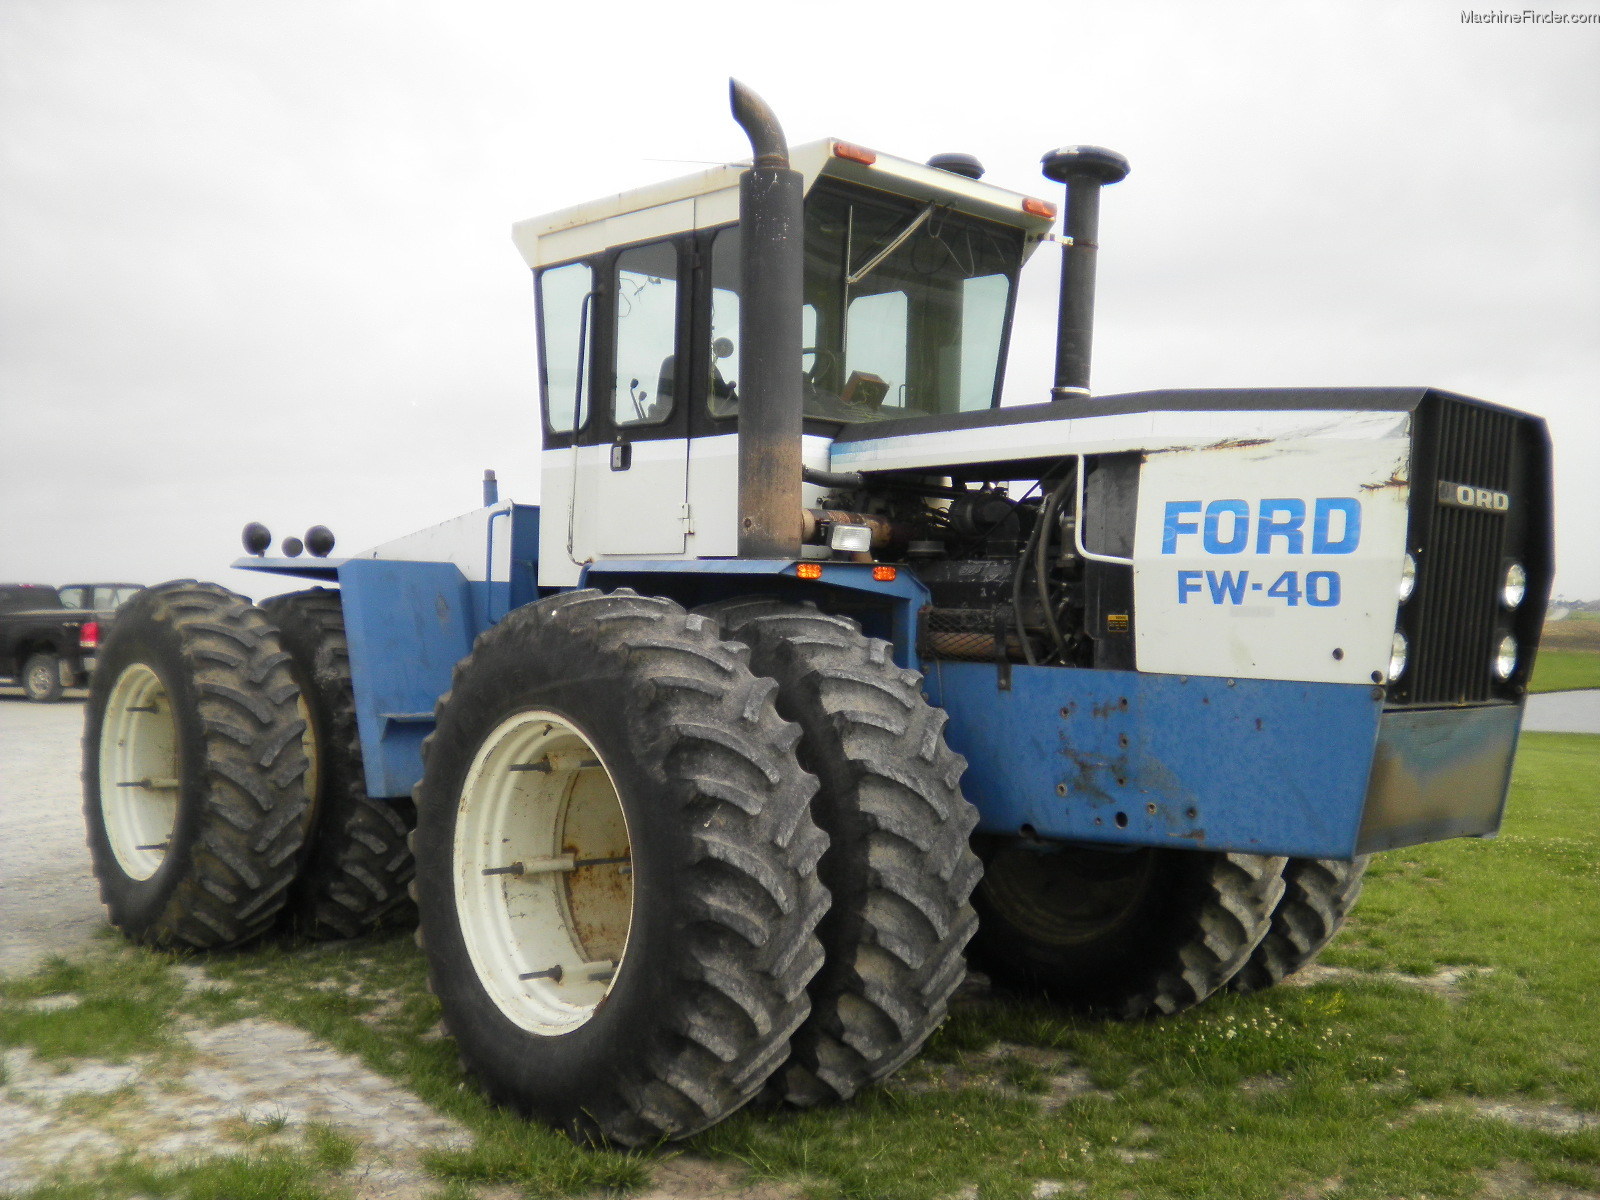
[1513,1182]
[1445,983]
[255,1081]
[1572,633]
[1545,1117]
[1058,1079]
[685,1177]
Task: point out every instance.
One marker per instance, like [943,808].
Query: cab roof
[707,199]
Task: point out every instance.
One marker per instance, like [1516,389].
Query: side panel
[712,497]
[1148,760]
[408,623]
[1279,560]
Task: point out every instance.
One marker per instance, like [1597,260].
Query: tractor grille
[1454,621]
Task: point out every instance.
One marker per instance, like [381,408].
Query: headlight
[1408,578]
[1515,587]
[1505,659]
[850,539]
[1397,655]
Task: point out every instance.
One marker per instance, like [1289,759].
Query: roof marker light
[1039,208]
[858,154]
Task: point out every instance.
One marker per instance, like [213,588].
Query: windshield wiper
[872,264]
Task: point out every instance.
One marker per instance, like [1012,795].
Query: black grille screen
[1455,620]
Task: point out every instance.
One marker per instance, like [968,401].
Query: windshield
[906,308]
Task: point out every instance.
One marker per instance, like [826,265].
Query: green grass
[111,1008]
[1558,670]
[273,1175]
[1362,1085]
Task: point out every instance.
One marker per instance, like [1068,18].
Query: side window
[722,398]
[74,597]
[564,322]
[877,334]
[984,299]
[647,335]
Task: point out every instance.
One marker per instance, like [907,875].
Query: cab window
[646,380]
[565,302]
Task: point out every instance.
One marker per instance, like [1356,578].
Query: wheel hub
[543,872]
[139,772]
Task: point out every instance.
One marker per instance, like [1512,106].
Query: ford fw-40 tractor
[817,674]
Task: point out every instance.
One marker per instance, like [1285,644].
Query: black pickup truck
[49,636]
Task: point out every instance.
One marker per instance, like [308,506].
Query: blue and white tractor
[817,673]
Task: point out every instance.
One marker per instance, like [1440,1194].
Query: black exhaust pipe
[1084,169]
[771,223]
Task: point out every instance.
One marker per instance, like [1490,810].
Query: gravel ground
[246,1070]
[48,901]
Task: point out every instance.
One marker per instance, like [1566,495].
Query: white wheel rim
[543,873]
[139,771]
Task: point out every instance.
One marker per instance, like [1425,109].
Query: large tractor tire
[358,865]
[1124,934]
[194,769]
[899,864]
[1318,894]
[617,869]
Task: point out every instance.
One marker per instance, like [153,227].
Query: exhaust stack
[771,223]
[1084,169]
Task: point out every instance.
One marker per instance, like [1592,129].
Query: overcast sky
[255,259]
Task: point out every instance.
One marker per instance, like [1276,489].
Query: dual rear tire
[195,769]
[222,774]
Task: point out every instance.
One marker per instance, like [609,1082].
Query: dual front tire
[1146,932]
[794,908]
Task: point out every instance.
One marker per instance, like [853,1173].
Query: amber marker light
[1039,208]
[858,154]
[808,570]
[885,574]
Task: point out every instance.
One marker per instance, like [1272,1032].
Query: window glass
[984,300]
[563,313]
[875,349]
[74,597]
[910,303]
[905,308]
[647,335]
[722,397]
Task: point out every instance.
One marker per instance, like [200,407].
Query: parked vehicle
[45,646]
[789,689]
[98,597]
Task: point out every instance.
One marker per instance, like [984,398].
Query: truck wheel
[1126,934]
[616,868]
[899,864]
[1318,894]
[194,769]
[355,874]
[41,678]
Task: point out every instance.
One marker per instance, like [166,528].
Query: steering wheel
[822,361]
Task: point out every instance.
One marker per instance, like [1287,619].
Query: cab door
[634,486]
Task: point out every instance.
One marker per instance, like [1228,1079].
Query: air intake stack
[1085,170]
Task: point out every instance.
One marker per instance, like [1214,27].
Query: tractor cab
[909,285]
